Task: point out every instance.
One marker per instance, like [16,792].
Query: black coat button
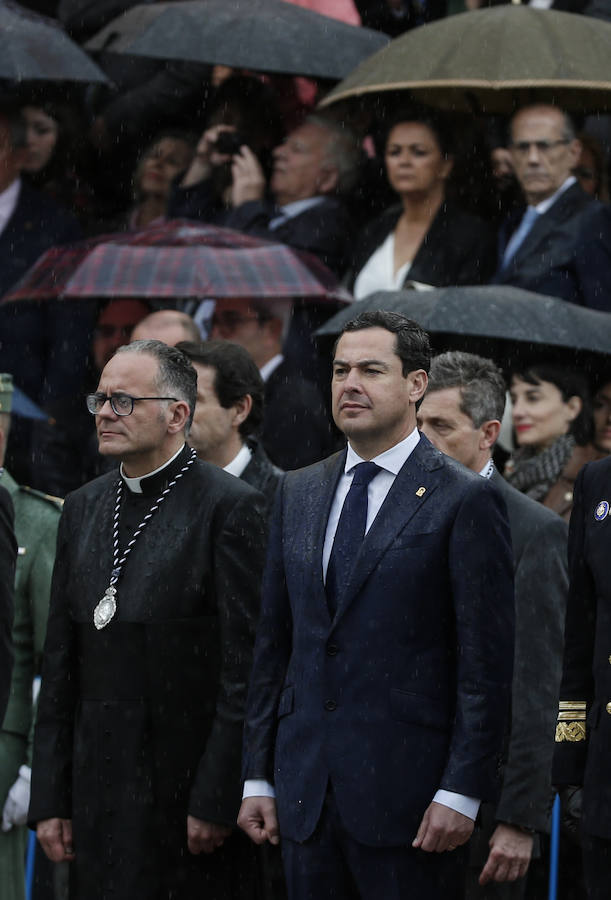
[330,705]
[331,650]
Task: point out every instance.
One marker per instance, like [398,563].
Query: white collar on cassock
[134,483]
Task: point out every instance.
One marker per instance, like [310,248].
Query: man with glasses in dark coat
[135,777]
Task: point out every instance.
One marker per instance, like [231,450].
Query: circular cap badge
[602,511]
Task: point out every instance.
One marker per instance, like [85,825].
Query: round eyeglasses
[121,404]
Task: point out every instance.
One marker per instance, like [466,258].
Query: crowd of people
[390,721]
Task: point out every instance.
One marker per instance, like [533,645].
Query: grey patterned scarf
[534,473]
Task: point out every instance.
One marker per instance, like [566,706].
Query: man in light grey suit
[461,415]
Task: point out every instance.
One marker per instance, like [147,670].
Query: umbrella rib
[467,83]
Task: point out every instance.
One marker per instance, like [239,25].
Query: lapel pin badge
[420,491]
[602,511]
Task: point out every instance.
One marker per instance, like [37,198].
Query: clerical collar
[135,484]
[488,470]
[239,461]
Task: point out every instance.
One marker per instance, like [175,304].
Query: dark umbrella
[263,35]
[178,259]
[507,324]
[35,48]
[491,60]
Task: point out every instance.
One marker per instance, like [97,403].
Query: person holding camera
[301,206]
[243,113]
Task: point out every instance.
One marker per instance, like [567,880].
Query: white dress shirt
[8,201]
[239,461]
[390,462]
[378,273]
[270,366]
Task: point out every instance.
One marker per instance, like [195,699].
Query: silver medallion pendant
[105,609]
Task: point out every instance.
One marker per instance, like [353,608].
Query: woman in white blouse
[426,237]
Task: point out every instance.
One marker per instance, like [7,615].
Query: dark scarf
[533,473]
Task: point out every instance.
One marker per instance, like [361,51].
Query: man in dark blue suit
[379,690]
[553,244]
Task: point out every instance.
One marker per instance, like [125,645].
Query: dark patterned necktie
[350,533]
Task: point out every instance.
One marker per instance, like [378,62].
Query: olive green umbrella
[492,60]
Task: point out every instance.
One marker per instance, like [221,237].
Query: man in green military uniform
[36,519]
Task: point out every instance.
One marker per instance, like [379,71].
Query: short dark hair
[434,120]
[235,375]
[480,381]
[571,383]
[412,344]
[176,374]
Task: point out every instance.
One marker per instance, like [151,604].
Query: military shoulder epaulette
[57,502]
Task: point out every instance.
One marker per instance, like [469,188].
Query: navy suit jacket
[560,256]
[36,224]
[406,690]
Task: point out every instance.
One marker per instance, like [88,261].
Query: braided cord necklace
[107,607]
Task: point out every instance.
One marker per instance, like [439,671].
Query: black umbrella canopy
[35,48]
[263,35]
[493,60]
[507,324]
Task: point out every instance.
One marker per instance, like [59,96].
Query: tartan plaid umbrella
[178,259]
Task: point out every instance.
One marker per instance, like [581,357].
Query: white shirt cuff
[258,787]
[468,806]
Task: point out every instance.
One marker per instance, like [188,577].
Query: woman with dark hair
[164,159]
[54,152]
[552,419]
[426,237]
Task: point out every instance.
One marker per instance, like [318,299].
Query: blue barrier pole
[554,851]
[29,865]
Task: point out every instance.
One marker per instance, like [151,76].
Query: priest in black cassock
[155,594]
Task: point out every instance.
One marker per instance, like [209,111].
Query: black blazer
[262,474]
[457,249]
[405,690]
[556,257]
[297,429]
[583,745]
